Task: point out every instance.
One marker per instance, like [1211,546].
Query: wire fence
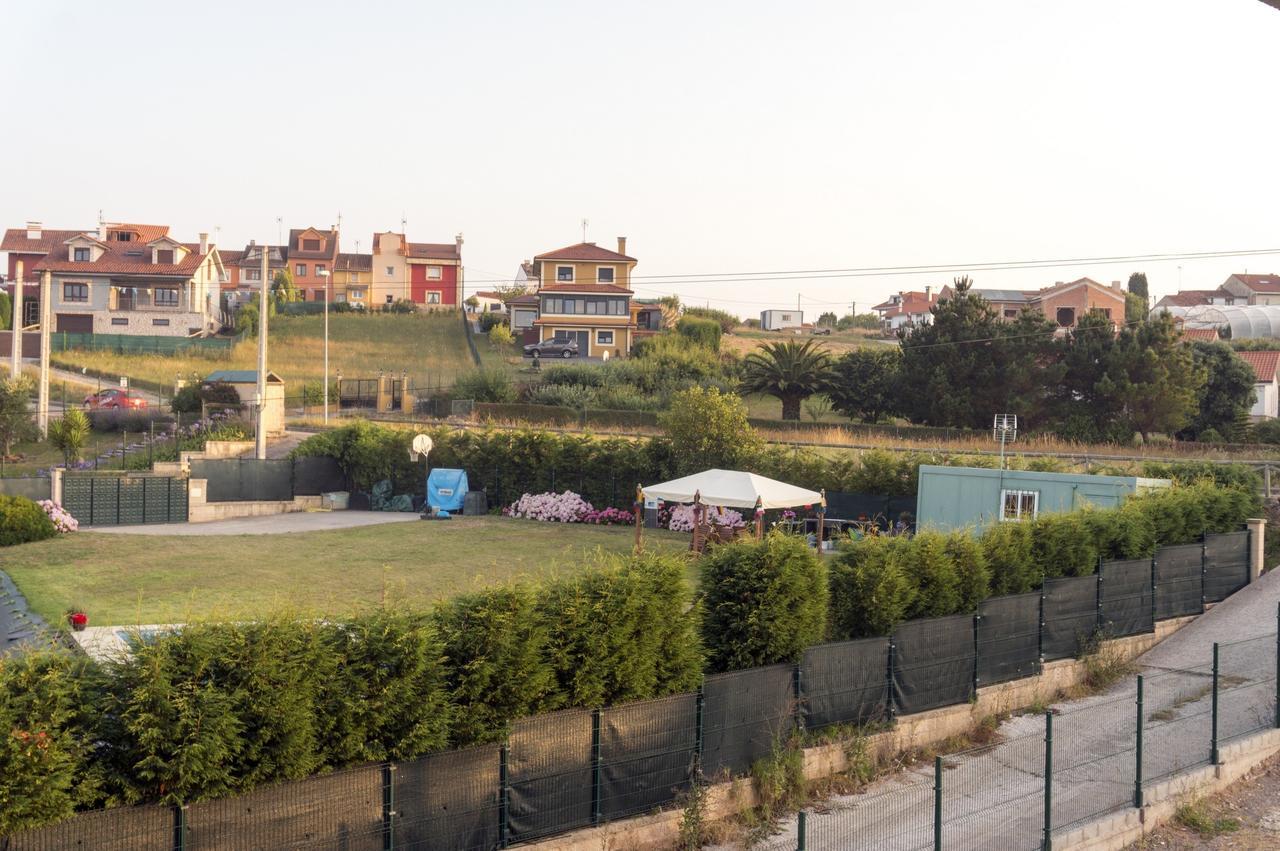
[579,767]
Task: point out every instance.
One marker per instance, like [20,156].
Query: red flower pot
[79,620]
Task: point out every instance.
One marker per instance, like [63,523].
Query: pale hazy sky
[718,137]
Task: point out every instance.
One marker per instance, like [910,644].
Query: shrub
[69,434]
[1267,431]
[23,521]
[702,332]
[932,570]
[189,397]
[709,429]
[680,518]
[60,518]
[500,335]
[1210,435]
[562,395]
[489,321]
[565,507]
[972,573]
[401,305]
[870,590]
[762,601]
[1063,544]
[723,318]
[485,385]
[1010,552]
[129,419]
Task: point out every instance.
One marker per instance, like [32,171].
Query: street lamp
[324,273]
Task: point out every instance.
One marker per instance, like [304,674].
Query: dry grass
[430,347]
[744,340]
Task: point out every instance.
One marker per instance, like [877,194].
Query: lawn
[132,579]
[744,340]
[430,347]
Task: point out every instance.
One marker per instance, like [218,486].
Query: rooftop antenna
[404,223]
[1004,429]
[584,229]
[280,230]
[339,220]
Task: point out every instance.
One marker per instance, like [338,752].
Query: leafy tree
[1091,408]
[827,320]
[703,332]
[866,385]
[15,415]
[726,320]
[69,434]
[283,290]
[247,314]
[789,371]
[6,312]
[708,429]
[867,321]
[1138,285]
[1135,308]
[472,302]
[1157,377]
[1227,393]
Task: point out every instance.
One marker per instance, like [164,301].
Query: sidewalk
[275,524]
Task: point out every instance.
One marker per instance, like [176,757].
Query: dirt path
[1245,817]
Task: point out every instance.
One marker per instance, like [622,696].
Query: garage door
[75,323]
[584,342]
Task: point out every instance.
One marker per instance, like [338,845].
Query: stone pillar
[55,485]
[1257,542]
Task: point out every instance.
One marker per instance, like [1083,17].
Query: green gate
[124,500]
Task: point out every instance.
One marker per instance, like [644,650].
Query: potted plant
[77,618]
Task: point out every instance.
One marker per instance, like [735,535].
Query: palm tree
[788,370]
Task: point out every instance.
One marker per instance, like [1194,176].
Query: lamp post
[324,273]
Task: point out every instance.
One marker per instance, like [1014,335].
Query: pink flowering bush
[567,507]
[609,517]
[681,518]
[61,518]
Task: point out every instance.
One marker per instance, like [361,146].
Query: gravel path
[993,796]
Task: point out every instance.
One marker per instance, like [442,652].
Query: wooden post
[639,511]
[822,517]
[759,520]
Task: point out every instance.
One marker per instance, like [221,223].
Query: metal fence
[116,499]
[251,479]
[580,767]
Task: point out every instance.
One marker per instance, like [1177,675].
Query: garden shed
[245,381]
[959,497]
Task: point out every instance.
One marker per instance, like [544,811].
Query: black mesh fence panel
[1226,565]
[339,810]
[647,753]
[845,683]
[744,714]
[1179,587]
[549,774]
[245,479]
[994,797]
[1008,638]
[123,829]
[1125,595]
[897,816]
[1070,615]
[933,663]
[1094,762]
[316,475]
[448,800]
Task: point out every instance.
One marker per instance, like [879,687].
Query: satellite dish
[422,445]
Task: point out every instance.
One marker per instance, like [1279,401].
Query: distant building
[426,273]
[1195,298]
[908,309]
[777,320]
[312,255]
[584,292]
[353,279]
[1266,387]
[1253,289]
[1063,303]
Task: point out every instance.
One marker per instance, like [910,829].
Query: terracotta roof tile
[145,233]
[15,239]
[330,252]
[585,251]
[1207,335]
[354,262]
[121,258]
[1264,364]
[1189,298]
[434,251]
[1260,283]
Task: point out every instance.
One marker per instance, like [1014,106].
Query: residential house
[426,273]
[243,276]
[584,292]
[487,302]
[1195,298]
[29,246]
[1266,388]
[134,279]
[651,316]
[1253,289]
[1063,303]
[353,279]
[907,309]
[1007,303]
[523,310]
[311,256]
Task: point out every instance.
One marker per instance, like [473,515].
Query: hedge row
[218,709]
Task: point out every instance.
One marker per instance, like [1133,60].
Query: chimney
[1115,285]
[252,243]
[622,245]
[204,243]
[1057,283]
[457,240]
[33,230]
[927,290]
[102,231]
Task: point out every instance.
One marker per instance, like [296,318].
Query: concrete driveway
[275,524]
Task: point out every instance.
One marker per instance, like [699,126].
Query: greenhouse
[1244,320]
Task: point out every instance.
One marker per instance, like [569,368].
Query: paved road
[276,524]
[993,797]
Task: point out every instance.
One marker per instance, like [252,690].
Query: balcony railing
[143,300]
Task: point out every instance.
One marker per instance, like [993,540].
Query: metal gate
[122,500]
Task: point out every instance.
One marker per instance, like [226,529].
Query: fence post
[888,677]
[977,624]
[1098,603]
[937,803]
[1040,636]
[180,827]
[1213,728]
[388,807]
[802,829]
[1047,843]
[597,763]
[698,704]
[1277,664]
[797,695]
[1153,591]
[1204,568]
[504,796]
[118,478]
[1137,780]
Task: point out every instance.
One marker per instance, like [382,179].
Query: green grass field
[430,347]
[138,579]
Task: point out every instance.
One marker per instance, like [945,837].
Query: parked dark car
[556,347]
[113,399]
[826,332]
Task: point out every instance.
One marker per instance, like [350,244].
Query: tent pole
[639,511]
[759,520]
[822,517]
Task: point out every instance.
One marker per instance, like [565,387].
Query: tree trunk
[791,407]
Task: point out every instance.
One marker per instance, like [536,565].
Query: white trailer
[776,320]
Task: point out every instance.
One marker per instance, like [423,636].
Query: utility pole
[260,433]
[15,365]
[46,320]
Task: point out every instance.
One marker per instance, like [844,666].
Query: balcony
[138,299]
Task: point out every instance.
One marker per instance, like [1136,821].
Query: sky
[720,137]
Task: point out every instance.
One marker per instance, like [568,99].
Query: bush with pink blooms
[59,516]
[609,517]
[567,507]
[681,518]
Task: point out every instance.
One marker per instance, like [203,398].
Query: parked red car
[113,399]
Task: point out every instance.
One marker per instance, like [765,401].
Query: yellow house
[353,279]
[584,292]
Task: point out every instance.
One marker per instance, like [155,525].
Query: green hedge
[877,582]
[22,521]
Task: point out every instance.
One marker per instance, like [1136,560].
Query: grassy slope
[124,579]
[430,347]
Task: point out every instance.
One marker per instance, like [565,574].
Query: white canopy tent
[732,489]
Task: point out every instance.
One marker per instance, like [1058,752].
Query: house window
[253,274]
[75,292]
[391,271]
[604,275]
[1011,314]
[1066,317]
[564,273]
[310,245]
[123,237]
[357,294]
[390,298]
[166,298]
[320,267]
[604,338]
[1019,505]
[1106,311]
[164,255]
[160,323]
[434,273]
[433,297]
[82,255]
[300,270]
[119,320]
